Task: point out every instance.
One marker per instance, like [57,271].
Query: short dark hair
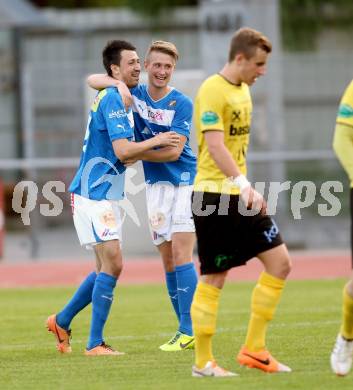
[246,40]
[112,53]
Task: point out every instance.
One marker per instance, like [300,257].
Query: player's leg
[59,324]
[106,225]
[183,242]
[341,356]
[265,298]
[211,232]
[102,297]
[81,298]
[165,251]
[182,246]
[204,311]
[184,283]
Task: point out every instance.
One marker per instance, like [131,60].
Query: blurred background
[48,47]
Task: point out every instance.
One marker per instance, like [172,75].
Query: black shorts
[225,237]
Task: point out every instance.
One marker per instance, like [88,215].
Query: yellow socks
[204,317]
[265,298]
[347,317]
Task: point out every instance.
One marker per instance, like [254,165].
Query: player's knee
[113,260]
[283,268]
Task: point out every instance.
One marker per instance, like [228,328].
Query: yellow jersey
[343,138]
[221,105]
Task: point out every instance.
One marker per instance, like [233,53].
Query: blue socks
[172,287]
[186,277]
[102,299]
[81,298]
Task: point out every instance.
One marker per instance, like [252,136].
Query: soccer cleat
[261,360]
[178,342]
[211,369]
[103,350]
[341,356]
[62,335]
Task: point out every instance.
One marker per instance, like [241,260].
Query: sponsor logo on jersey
[172,103]
[155,115]
[241,130]
[117,114]
[209,118]
[345,111]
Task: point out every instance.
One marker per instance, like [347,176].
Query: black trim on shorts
[225,237]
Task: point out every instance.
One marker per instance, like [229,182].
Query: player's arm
[127,150]
[166,154]
[223,158]
[343,147]
[101,81]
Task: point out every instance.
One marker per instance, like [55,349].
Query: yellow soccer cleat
[178,342]
[62,335]
[261,360]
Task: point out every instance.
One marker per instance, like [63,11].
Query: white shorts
[95,220]
[169,210]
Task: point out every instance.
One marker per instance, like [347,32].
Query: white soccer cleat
[211,369]
[341,356]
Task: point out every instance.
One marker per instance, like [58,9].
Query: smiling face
[159,67]
[251,68]
[129,69]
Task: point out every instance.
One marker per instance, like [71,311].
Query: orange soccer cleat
[103,350]
[261,360]
[62,335]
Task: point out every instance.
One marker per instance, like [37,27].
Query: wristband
[241,182]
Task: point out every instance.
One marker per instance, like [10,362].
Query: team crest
[157,220]
[108,219]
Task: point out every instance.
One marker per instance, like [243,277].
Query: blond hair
[163,47]
[246,40]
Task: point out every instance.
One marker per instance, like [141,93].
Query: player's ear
[115,70]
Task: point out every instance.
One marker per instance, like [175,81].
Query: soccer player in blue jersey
[169,174]
[96,190]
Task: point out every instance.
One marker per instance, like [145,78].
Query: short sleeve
[182,120]
[345,110]
[115,117]
[211,106]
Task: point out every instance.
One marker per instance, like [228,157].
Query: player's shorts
[225,237]
[96,221]
[169,210]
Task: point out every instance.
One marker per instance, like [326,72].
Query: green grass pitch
[301,335]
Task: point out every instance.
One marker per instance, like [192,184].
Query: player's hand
[125,95]
[170,138]
[253,200]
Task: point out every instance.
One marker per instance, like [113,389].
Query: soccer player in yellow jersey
[230,216]
[341,357]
